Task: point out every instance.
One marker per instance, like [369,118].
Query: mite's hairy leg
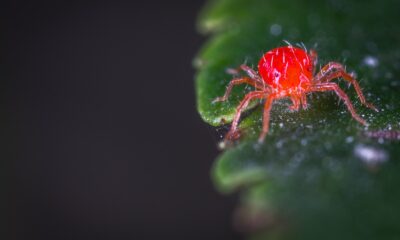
[322,87]
[295,103]
[266,116]
[335,70]
[234,82]
[243,104]
[304,101]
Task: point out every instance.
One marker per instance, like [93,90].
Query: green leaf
[319,174]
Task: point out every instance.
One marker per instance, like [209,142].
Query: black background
[100,132]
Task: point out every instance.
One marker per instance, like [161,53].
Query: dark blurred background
[100,135]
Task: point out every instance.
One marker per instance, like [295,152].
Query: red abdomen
[286,68]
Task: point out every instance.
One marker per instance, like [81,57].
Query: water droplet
[371,61]
[275,29]
[370,155]
[221,145]
[349,139]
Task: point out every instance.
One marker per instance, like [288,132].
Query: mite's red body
[286,68]
[288,72]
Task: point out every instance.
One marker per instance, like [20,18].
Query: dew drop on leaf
[371,61]
[370,155]
[275,29]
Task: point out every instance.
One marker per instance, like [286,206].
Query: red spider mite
[288,72]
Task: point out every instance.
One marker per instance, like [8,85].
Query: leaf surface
[321,171]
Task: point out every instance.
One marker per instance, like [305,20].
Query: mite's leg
[313,58]
[304,101]
[233,83]
[243,104]
[266,114]
[295,103]
[334,87]
[336,70]
[252,74]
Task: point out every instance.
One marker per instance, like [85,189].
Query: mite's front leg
[242,106]
[233,83]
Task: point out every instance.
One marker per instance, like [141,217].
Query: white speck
[275,29]
[349,139]
[222,145]
[370,155]
[281,125]
[371,61]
